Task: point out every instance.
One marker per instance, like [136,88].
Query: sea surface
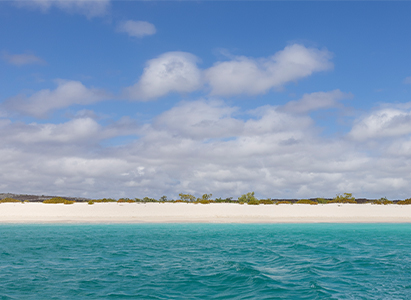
[205,261]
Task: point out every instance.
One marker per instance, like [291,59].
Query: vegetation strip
[248,198]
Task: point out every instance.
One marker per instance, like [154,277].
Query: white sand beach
[210,213]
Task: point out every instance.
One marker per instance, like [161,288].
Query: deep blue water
[206,261]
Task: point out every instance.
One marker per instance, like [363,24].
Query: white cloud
[199,120]
[251,76]
[136,28]
[384,123]
[203,146]
[315,101]
[89,8]
[407,80]
[178,72]
[42,102]
[22,59]
[170,72]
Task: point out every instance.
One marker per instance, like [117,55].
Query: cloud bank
[207,146]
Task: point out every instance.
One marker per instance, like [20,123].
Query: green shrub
[68,202]
[204,201]
[247,198]
[253,202]
[322,200]
[9,200]
[266,201]
[205,198]
[346,198]
[404,202]
[283,202]
[307,201]
[56,200]
[91,202]
[385,201]
[187,197]
[104,200]
[226,200]
[147,199]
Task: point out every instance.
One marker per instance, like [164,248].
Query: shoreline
[103,213]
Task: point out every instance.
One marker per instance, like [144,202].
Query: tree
[245,198]
[187,197]
[205,197]
[346,198]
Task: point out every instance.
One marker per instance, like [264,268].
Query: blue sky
[132,99]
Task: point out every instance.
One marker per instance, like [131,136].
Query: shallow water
[206,261]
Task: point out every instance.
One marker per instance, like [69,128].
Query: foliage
[245,198]
[57,200]
[163,198]
[187,197]
[9,200]
[284,202]
[253,202]
[322,200]
[205,197]
[91,202]
[147,199]
[266,201]
[307,201]
[346,198]
[226,200]
[104,200]
[404,202]
[126,200]
[384,200]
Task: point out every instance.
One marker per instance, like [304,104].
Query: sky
[150,98]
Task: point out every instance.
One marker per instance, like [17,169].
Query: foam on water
[205,261]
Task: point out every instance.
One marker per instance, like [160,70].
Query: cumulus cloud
[22,59]
[42,102]
[170,72]
[315,101]
[136,28]
[383,123]
[86,7]
[178,72]
[244,75]
[407,80]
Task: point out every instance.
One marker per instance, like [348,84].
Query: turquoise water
[206,261]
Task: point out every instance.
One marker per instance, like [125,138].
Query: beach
[199,213]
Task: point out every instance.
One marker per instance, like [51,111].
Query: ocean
[205,261]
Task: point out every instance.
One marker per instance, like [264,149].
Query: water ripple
[205,261]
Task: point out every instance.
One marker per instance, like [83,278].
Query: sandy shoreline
[198,213]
